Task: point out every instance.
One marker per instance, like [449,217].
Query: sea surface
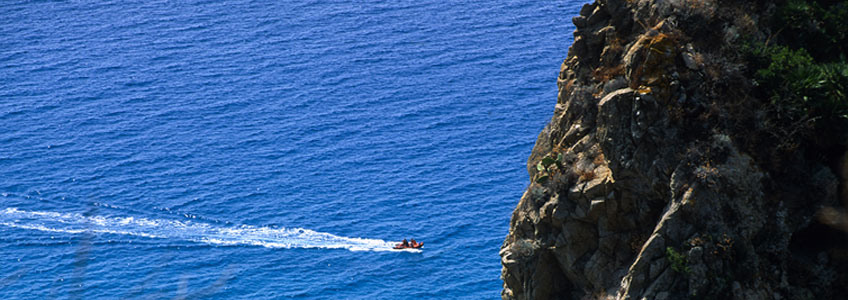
[267,149]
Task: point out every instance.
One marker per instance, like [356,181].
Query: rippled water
[267,149]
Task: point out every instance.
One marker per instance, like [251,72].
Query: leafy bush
[805,89]
[802,69]
[819,26]
[547,166]
[679,261]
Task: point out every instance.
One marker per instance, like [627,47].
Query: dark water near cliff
[267,149]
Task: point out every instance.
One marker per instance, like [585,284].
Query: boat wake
[73,223]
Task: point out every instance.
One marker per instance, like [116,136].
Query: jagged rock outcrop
[651,182]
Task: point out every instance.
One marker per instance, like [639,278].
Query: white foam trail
[74,223]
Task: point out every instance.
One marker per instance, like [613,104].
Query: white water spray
[74,223]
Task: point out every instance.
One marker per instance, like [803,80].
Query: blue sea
[267,149]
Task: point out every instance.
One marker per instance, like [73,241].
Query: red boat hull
[399,246]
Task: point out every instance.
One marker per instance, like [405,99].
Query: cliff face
[662,175]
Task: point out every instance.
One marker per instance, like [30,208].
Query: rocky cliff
[667,172]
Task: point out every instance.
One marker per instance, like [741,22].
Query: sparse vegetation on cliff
[805,90]
[677,260]
[703,139]
[802,68]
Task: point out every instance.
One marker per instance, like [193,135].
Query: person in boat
[405,243]
[413,243]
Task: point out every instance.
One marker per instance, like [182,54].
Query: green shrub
[803,89]
[679,262]
[546,167]
[802,71]
[819,26]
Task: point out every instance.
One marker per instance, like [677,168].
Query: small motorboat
[410,246]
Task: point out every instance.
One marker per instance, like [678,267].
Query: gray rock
[656,159]
[688,57]
[579,21]
[598,15]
